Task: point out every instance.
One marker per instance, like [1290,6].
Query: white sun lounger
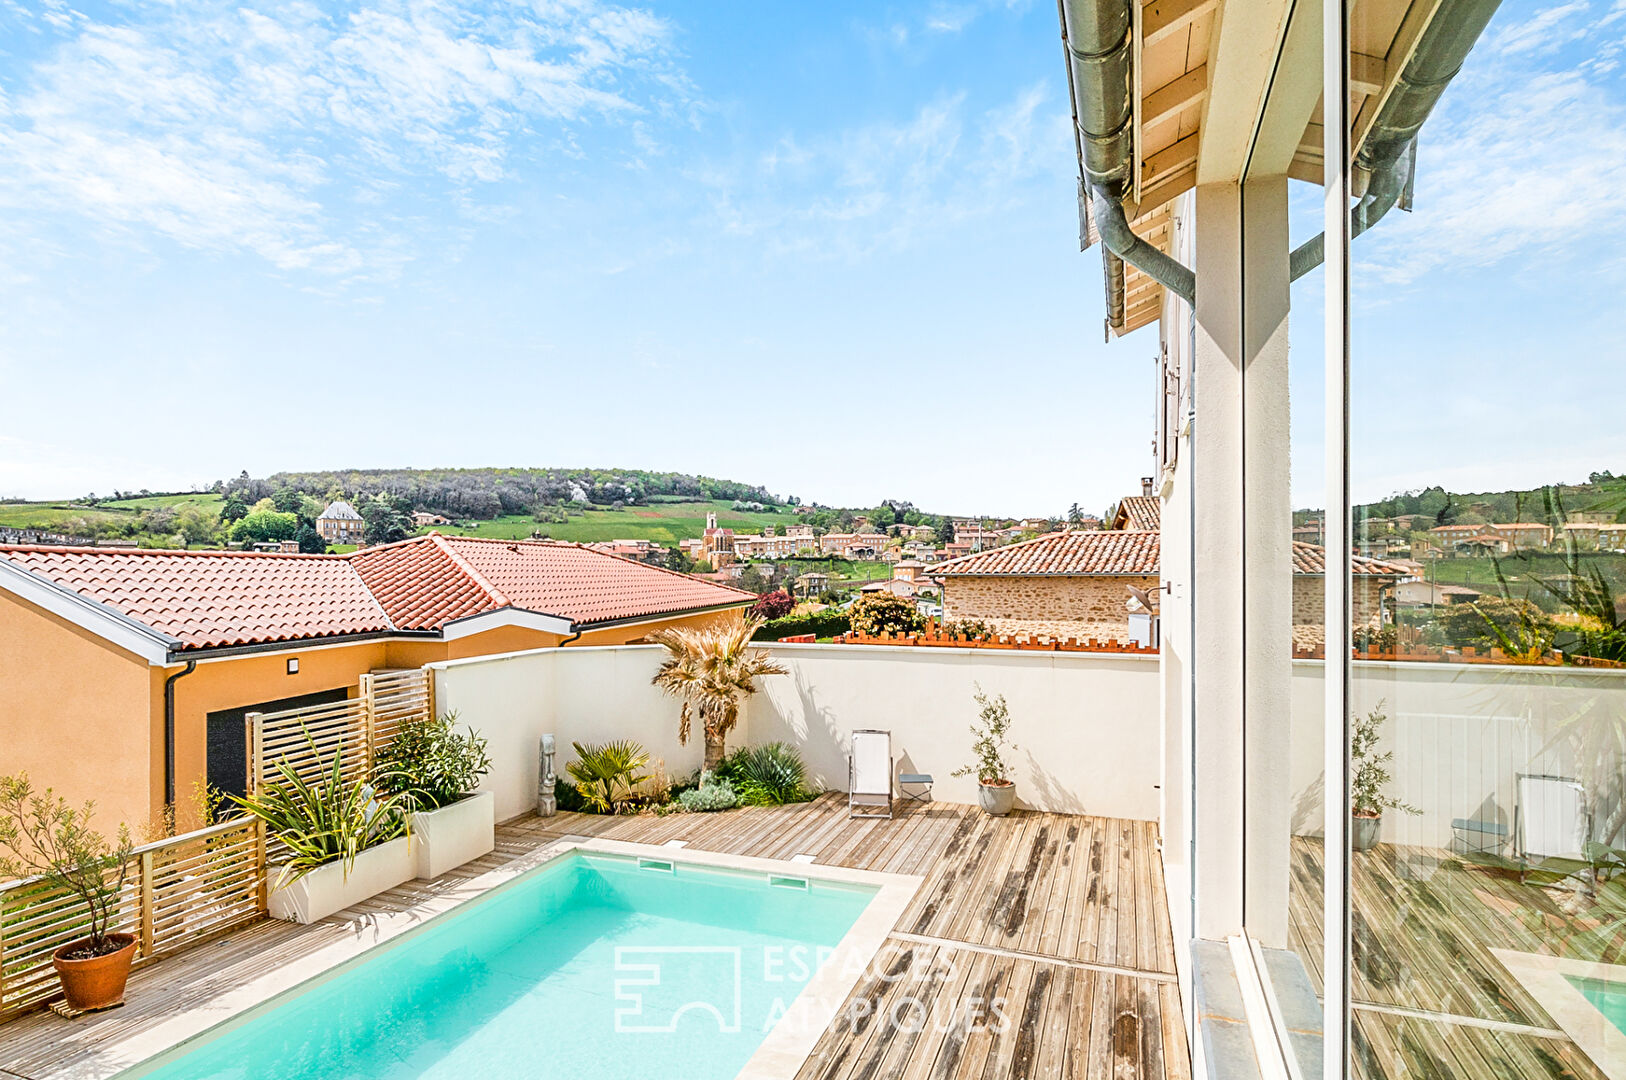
[869,775]
[1549,819]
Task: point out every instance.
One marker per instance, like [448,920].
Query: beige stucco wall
[77,715]
[1062,607]
[87,718]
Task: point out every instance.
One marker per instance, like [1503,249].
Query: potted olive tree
[434,768]
[1369,781]
[42,836]
[344,841]
[996,791]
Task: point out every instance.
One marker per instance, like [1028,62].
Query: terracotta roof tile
[584,585]
[1122,552]
[210,599]
[1139,513]
[1077,553]
[216,598]
[1312,559]
[421,585]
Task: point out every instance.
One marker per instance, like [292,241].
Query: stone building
[1075,585]
[1062,585]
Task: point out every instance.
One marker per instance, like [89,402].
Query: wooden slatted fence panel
[307,740]
[203,884]
[177,892]
[397,696]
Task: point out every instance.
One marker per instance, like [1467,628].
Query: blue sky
[827,248]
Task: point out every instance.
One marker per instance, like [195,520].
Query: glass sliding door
[1484,573]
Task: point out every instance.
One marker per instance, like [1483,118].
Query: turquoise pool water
[589,967]
[1607,997]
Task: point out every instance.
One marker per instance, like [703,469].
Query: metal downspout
[1389,153]
[169,734]
[1098,36]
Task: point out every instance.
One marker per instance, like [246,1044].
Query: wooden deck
[1430,999]
[1061,918]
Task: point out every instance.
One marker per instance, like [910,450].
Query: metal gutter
[1389,153]
[1098,35]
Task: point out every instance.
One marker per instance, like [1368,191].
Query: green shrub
[712,794]
[41,834]
[431,764]
[827,623]
[566,795]
[973,629]
[328,821]
[881,612]
[605,775]
[767,775]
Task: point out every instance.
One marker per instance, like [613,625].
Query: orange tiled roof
[1312,559]
[586,586]
[1138,513]
[1080,552]
[212,599]
[1121,552]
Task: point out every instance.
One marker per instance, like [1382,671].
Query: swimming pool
[1586,1001]
[1606,995]
[598,964]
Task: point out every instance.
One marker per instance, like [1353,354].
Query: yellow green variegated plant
[332,820]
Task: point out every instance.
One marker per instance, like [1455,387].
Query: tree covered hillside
[490,493]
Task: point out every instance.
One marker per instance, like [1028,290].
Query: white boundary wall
[1460,734]
[1086,725]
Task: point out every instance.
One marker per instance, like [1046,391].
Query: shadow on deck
[1061,919]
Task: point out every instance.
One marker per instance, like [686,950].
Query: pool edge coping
[819,1000]
[1544,978]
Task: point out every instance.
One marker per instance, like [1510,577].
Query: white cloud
[884,185]
[227,128]
[1525,158]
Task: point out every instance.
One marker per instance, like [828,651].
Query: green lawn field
[663,522]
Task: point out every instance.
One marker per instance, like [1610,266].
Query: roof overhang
[523,618]
[112,626]
[1221,89]
[663,616]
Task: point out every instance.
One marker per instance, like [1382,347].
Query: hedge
[827,623]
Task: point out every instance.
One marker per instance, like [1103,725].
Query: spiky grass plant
[331,820]
[712,669]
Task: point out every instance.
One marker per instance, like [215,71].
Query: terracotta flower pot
[99,981]
[997,798]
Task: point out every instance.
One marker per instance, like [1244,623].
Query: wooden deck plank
[1043,885]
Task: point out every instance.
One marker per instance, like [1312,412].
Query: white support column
[1241,588]
[1217,564]
[1267,559]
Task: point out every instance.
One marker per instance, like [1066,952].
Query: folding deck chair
[869,775]
[1550,820]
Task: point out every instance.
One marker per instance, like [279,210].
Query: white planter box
[326,889]
[451,836]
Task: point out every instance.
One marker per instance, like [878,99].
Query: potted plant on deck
[42,836]
[1369,781]
[344,842]
[996,791]
[435,769]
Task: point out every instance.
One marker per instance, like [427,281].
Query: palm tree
[711,670]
